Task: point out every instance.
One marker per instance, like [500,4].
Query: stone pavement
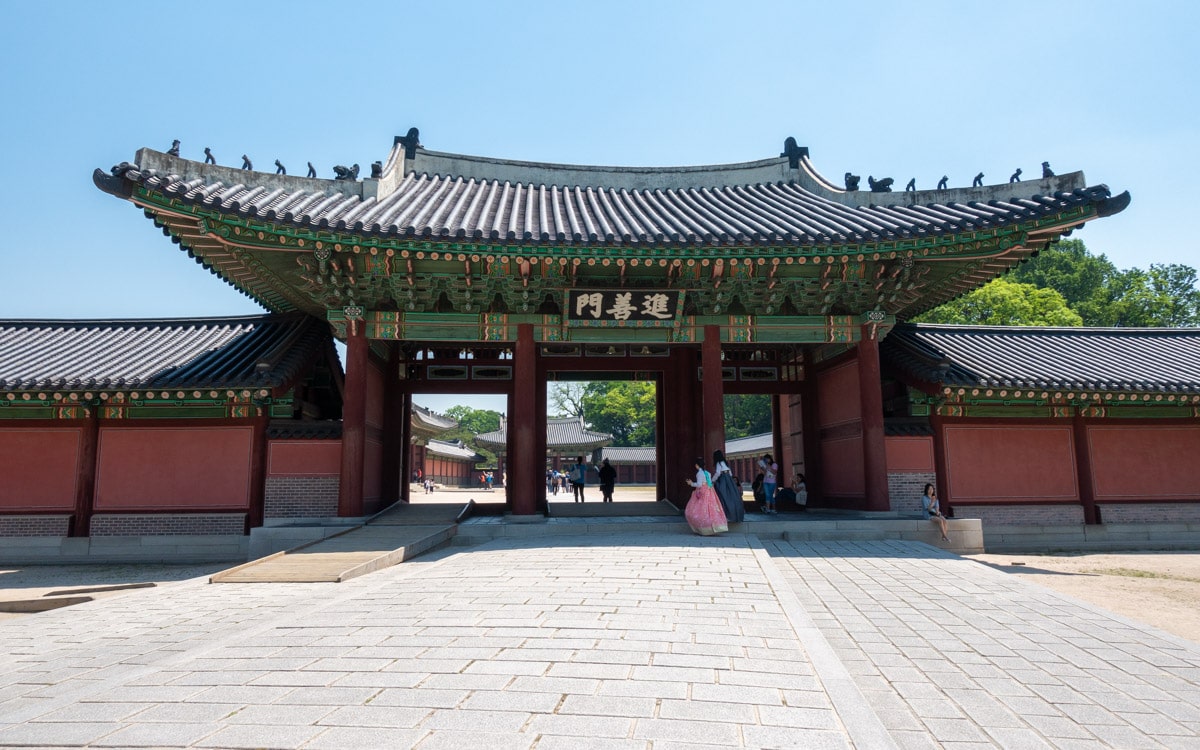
[616,641]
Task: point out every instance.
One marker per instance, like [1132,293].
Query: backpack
[576,474]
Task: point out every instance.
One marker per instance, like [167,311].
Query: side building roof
[635,455]
[1153,360]
[453,450]
[260,351]
[562,434]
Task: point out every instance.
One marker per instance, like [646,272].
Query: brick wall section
[301,497]
[155,524]
[34,525]
[1023,515]
[905,490]
[1150,513]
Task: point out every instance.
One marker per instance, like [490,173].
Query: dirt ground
[1158,588]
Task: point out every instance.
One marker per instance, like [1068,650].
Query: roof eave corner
[113,184]
[1114,205]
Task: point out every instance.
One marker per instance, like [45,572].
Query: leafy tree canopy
[1090,286]
[1004,303]
[747,415]
[472,422]
[625,409]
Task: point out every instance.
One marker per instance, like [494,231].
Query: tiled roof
[430,420]
[1108,359]
[639,455]
[262,351]
[751,445]
[562,434]
[452,450]
[767,203]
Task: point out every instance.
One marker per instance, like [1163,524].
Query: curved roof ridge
[1032,330]
[484,168]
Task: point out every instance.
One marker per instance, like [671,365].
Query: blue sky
[912,89]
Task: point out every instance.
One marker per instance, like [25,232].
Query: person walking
[703,512]
[727,489]
[578,478]
[608,480]
[770,470]
[933,509]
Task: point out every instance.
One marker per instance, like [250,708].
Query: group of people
[575,477]
[486,480]
[716,499]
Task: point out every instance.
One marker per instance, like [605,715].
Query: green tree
[626,409]
[747,415]
[1103,295]
[475,421]
[472,422]
[1070,269]
[1005,303]
[1165,295]
[567,398]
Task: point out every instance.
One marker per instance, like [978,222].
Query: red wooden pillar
[394,434]
[1083,469]
[406,448]
[811,427]
[941,480]
[660,431]
[787,446]
[354,421]
[713,416]
[871,402]
[85,485]
[522,426]
[258,472]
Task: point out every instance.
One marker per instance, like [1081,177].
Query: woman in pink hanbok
[704,512]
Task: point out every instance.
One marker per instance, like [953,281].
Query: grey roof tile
[255,351]
[1114,359]
[562,433]
[543,206]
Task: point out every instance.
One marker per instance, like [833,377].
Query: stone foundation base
[300,497]
[905,490]
[173,524]
[1022,515]
[1150,512]
[34,525]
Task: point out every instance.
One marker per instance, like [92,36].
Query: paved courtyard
[615,641]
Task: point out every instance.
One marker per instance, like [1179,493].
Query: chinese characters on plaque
[620,305]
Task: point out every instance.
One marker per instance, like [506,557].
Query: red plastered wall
[174,468]
[40,469]
[1011,463]
[1145,462]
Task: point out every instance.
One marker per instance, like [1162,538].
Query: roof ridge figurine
[376,170]
[978,181]
[851,182]
[911,187]
[246,164]
[1016,176]
[942,182]
[279,168]
[882,185]
[174,149]
[312,171]
[793,152]
[1046,170]
[411,142]
[345,173]
[208,156]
